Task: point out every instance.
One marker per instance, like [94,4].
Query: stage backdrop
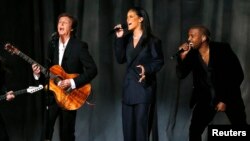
[28,24]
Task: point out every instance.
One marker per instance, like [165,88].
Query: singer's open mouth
[61,29]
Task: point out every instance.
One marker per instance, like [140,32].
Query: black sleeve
[185,66]
[89,67]
[231,75]
[157,60]
[120,49]
[2,79]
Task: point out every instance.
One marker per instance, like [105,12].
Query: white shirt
[62,48]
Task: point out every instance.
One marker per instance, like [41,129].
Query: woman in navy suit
[142,53]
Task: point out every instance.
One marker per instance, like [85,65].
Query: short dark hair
[74,22]
[204,30]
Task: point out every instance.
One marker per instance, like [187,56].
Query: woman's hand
[142,74]
[119,32]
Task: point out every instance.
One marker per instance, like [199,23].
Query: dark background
[29,24]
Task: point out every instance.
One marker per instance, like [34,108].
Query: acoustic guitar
[70,99]
[30,89]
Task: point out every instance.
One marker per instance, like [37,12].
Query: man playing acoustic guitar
[73,56]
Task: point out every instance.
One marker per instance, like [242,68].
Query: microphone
[123,26]
[177,53]
[181,50]
[54,36]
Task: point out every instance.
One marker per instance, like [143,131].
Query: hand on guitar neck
[36,70]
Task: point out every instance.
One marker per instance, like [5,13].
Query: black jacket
[2,79]
[226,74]
[76,59]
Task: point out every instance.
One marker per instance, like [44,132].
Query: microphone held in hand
[189,45]
[123,26]
[177,53]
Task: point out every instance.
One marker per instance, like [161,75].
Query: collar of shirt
[62,48]
[61,44]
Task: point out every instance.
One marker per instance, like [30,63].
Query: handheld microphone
[177,53]
[123,26]
[180,51]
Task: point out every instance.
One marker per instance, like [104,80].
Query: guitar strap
[90,97]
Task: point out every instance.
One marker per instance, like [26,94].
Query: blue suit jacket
[148,55]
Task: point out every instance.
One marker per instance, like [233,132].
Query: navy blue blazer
[226,74]
[148,54]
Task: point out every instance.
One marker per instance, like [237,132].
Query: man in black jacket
[217,76]
[73,56]
[9,96]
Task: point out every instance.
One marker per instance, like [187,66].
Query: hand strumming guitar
[64,84]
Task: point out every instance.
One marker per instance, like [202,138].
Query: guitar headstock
[11,49]
[33,89]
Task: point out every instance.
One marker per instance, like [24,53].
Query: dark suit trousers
[66,123]
[203,114]
[135,122]
[3,132]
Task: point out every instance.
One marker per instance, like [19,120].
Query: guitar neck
[16,93]
[2,97]
[31,61]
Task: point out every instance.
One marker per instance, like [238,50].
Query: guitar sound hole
[56,80]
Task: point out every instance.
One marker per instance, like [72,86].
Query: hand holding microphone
[119,30]
[183,50]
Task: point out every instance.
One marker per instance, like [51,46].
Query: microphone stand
[52,43]
[47,101]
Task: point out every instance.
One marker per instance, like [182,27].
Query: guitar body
[73,99]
